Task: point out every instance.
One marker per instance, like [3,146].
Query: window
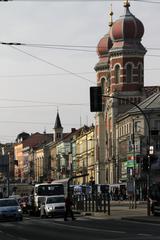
[58,135]
[129,73]
[103,85]
[140,73]
[137,126]
[117,74]
[127,129]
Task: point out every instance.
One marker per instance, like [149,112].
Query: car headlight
[49,208]
[19,210]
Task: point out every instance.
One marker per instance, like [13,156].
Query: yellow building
[85,154]
[18,151]
[39,169]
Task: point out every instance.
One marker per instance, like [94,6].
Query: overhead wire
[67,47]
[31,101]
[36,123]
[42,106]
[144,1]
[60,46]
[51,64]
[41,75]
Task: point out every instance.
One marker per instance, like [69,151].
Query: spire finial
[126,3]
[110,18]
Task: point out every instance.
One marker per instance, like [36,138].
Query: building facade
[120,73]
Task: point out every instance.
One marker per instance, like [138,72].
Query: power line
[42,75]
[31,101]
[151,55]
[52,46]
[57,74]
[42,106]
[60,46]
[51,64]
[145,1]
[35,123]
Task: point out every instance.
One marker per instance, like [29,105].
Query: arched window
[117,74]
[140,73]
[129,73]
[103,85]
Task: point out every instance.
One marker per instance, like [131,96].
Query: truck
[40,192]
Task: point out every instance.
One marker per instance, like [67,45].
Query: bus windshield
[50,189]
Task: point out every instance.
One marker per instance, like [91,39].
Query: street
[32,228]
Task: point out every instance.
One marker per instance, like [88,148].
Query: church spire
[58,129]
[110,17]
[126,4]
[58,121]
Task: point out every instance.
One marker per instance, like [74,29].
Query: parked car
[10,209]
[52,205]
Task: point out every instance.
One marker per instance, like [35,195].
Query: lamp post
[134,162]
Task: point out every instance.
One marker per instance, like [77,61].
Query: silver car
[53,205]
[10,209]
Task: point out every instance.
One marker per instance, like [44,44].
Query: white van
[53,205]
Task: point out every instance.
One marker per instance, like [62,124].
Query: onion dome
[128,27]
[104,45]
[105,42]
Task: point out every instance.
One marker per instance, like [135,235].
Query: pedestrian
[68,209]
[42,210]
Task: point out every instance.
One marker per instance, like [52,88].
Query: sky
[45,74]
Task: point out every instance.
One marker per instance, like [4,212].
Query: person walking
[68,209]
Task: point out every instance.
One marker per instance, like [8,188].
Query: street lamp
[134,161]
[148,143]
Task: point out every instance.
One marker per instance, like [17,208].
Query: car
[155,207]
[53,205]
[10,209]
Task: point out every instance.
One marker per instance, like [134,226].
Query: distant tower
[120,74]
[126,78]
[58,129]
[127,59]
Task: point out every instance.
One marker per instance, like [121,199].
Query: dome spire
[126,3]
[110,17]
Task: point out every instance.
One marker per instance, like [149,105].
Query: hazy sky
[36,80]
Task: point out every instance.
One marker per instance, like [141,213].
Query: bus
[66,184]
[43,190]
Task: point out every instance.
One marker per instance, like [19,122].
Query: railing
[92,202]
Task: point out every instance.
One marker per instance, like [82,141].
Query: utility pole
[134,162]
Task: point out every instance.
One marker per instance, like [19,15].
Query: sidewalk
[124,213]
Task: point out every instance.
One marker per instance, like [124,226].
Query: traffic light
[96,99]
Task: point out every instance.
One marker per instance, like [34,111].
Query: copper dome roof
[127,27]
[104,45]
